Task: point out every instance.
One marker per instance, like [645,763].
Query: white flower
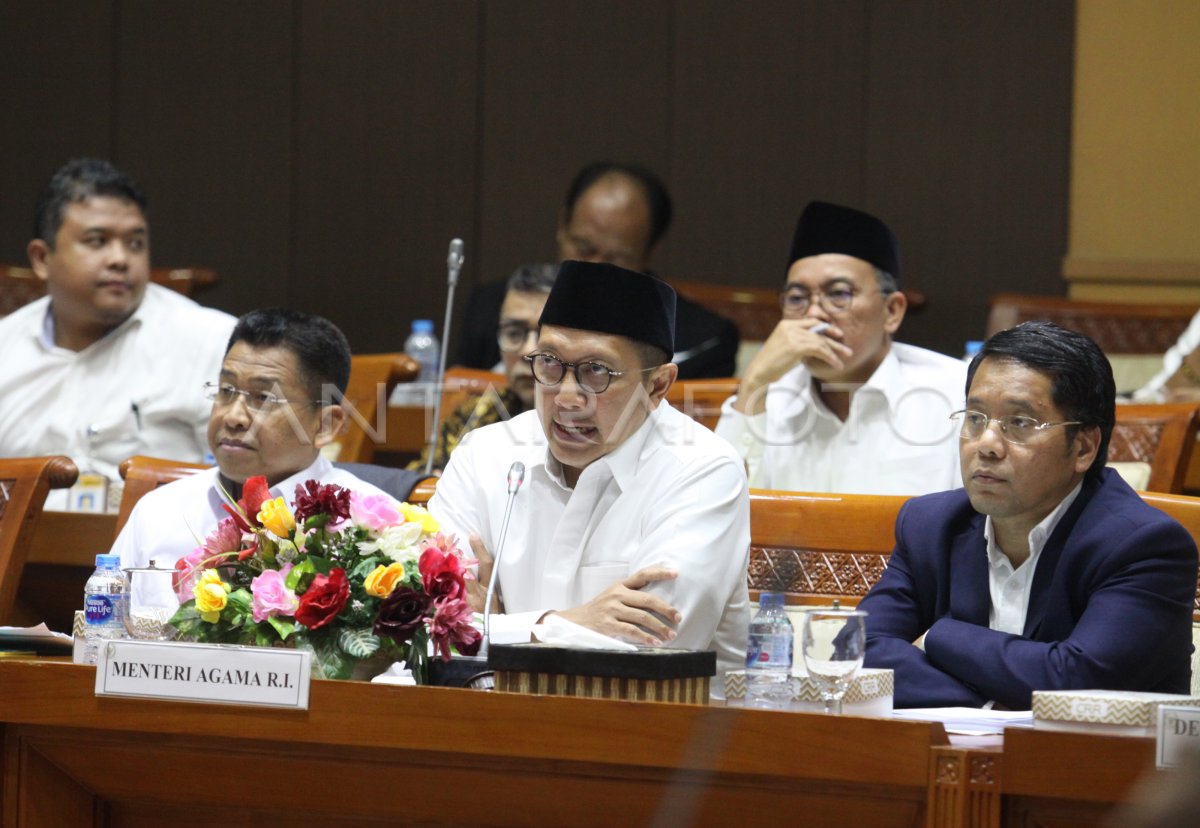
[396,542]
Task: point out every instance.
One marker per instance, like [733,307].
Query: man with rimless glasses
[274,407]
[633,521]
[831,403]
[1046,572]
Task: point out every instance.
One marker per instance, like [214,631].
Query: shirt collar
[136,319]
[886,379]
[1038,535]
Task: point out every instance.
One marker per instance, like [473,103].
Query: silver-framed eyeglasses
[1015,428]
[512,336]
[838,297]
[224,395]
[592,377]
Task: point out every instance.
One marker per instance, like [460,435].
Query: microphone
[454,263]
[516,476]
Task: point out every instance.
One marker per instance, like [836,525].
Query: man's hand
[624,612]
[477,588]
[789,344]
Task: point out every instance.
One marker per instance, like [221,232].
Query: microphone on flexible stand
[454,263]
[516,476]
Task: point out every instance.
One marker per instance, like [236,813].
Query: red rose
[401,614]
[323,599]
[441,574]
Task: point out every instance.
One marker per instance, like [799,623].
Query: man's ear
[661,380]
[1087,443]
[38,252]
[333,420]
[894,306]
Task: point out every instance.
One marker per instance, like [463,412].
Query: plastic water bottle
[105,604]
[769,655]
[422,345]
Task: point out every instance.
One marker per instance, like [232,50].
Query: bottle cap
[107,561]
[770,599]
[422,326]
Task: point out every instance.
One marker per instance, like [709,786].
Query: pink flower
[271,595]
[227,537]
[451,624]
[187,572]
[373,512]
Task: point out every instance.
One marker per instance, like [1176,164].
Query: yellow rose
[277,517]
[419,514]
[211,595]
[383,580]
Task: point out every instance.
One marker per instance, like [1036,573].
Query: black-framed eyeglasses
[224,395]
[592,377]
[512,336]
[1015,428]
[796,300]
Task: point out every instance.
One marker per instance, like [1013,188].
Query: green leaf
[358,643]
[283,626]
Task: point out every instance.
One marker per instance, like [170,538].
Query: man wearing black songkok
[633,520]
[841,406]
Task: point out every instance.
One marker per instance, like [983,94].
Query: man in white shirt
[273,409]
[633,520]
[1046,571]
[831,403]
[107,365]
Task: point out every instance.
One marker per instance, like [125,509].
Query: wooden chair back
[1162,436]
[755,310]
[20,285]
[818,547]
[423,491]
[1186,510]
[701,399]
[1118,328]
[372,379]
[24,484]
[143,474]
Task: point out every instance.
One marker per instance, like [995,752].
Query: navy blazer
[1110,605]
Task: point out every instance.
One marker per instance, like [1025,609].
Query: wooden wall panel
[563,84]
[203,119]
[56,74]
[385,161]
[767,114]
[968,141]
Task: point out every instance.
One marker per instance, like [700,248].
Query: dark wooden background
[322,154]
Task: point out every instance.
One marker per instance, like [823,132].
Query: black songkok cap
[831,228]
[592,296]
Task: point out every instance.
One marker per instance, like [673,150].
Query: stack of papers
[969,721]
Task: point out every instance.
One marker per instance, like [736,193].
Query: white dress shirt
[1188,341]
[672,494]
[897,439]
[139,390]
[172,520]
[1009,588]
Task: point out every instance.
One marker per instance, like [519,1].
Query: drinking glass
[833,642]
[152,602]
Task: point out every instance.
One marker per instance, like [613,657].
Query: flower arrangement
[349,576]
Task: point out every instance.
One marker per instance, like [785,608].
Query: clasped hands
[622,611]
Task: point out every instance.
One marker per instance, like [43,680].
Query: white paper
[968,721]
[560,632]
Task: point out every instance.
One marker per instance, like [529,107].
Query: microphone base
[470,672]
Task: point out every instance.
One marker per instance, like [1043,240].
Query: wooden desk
[371,754]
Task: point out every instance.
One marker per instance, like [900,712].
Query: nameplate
[208,673]
[1178,733]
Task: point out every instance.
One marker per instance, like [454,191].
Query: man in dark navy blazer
[1046,572]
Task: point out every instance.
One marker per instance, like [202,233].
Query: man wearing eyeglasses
[831,403]
[524,299]
[274,407]
[633,520]
[1046,572]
